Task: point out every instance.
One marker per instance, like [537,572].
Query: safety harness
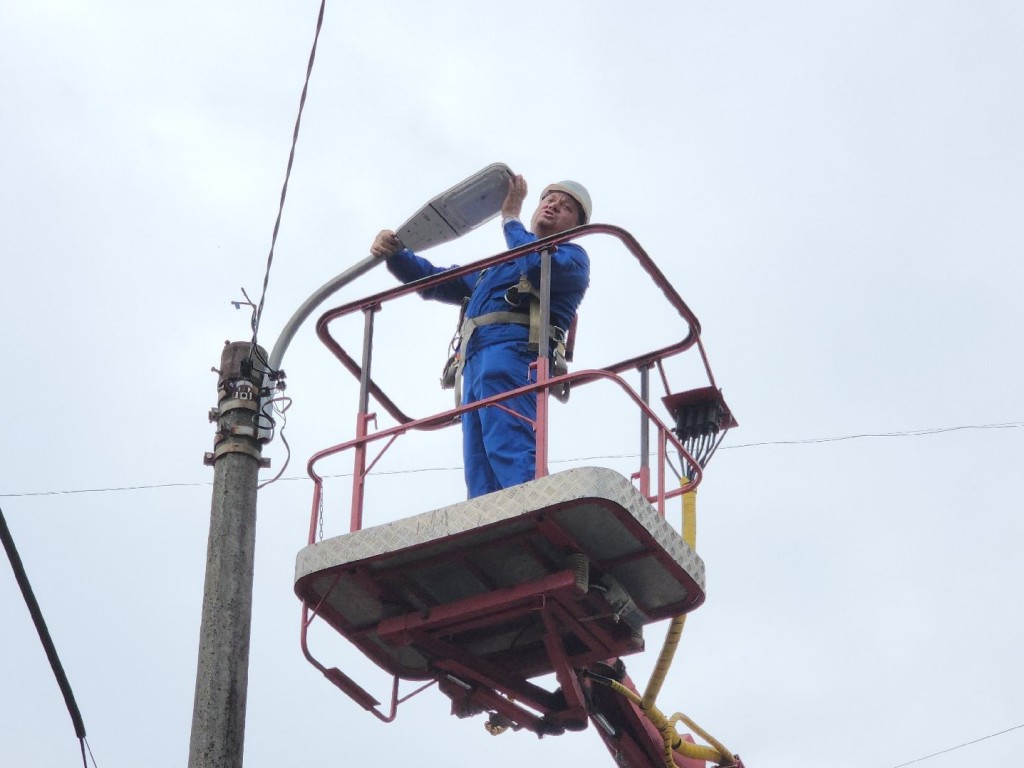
[451,377]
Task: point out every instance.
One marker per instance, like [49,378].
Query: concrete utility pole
[222,675]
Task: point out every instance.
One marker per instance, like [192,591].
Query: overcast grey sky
[836,189]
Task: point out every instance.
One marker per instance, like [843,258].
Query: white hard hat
[576,191]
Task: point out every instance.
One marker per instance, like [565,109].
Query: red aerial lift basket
[557,576]
[550,576]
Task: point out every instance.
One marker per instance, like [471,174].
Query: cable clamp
[237,403]
[234,446]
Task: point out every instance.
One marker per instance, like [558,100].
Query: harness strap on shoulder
[524,289]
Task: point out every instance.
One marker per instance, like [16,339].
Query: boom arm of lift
[629,734]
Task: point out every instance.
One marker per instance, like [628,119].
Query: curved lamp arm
[318,297]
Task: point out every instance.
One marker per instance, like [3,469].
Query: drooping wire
[258,313]
[901,433]
[280,405]
[959,746]
[575,459]
[44,636]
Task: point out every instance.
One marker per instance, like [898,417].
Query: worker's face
[556,213]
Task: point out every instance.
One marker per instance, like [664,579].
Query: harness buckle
[450,372]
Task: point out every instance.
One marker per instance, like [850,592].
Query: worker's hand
[385,245]
[513,205]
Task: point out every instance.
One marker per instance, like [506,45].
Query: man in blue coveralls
[498,447]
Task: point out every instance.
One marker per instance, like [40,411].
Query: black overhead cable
[258,311]
[43,632]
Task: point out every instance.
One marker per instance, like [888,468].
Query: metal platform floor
[485,581]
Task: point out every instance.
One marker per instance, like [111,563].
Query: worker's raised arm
[513,204]
[407,267]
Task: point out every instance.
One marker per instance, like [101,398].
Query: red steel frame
[455,670]
[542,386]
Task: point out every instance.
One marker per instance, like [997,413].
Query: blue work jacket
[570,276]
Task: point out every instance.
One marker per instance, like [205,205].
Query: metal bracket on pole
[235,446]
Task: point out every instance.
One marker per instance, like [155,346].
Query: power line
[808,441]
[76,491]
[960,746]
[258,311]
[904,433]
[44,634]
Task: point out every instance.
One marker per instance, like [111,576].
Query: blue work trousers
[498,448]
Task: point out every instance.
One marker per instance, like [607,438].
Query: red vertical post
[314,514]
[543,369]
[662,460]
[541,425]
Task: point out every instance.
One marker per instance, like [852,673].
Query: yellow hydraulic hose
[673,741]
[675,627]
[716,753]
[719,746]
[690,516]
